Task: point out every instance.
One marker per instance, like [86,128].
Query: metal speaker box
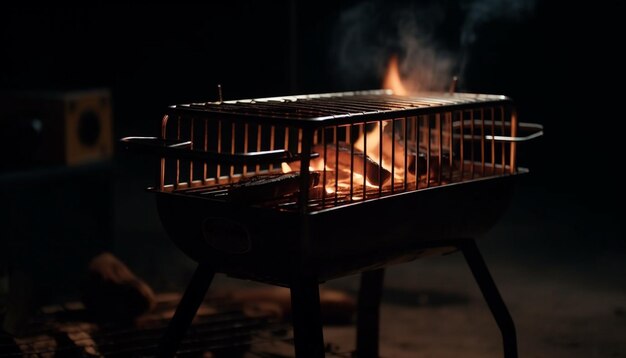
[55,128]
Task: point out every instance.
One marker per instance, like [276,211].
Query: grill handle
[538,132]
[535,127]
[177,149]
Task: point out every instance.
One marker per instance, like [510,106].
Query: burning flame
[379,143]
[392,80]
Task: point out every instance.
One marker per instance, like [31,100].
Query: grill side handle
[537,131]
[177,149]
[536,128]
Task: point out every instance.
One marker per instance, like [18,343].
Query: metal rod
[453,84]
[440,149]
[472,155]
[514,124]
[349,135]
[450,144]
[272,139]
[368,314]
[206,148]
[299,141]
[461,148]
[192,120]
[219,94]
[258,146]
[219,150]
[417,152]
[177,181]
[502,144]
[324,168]
[305,175]
[364,162]
[406,153]
[393,154]
[482,142]
[380,157]
[428,153]
[246,138]
[493,142]
[336,164]
[490,292]
[232,149]
[161,173]
[186,310]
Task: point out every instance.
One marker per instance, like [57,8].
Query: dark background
[555,61]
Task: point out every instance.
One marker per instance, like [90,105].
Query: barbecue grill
[298,190]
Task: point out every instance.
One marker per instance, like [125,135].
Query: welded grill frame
[474,131]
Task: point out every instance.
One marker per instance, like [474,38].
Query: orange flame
[392,80]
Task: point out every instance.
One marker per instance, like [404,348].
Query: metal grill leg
[186,310]
[368,315]
[492,296]
[307,320]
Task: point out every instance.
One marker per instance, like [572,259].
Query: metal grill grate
[333,106]
[342,147]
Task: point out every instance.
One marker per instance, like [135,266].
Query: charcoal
[374,173]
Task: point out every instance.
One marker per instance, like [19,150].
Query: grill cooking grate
[356,146]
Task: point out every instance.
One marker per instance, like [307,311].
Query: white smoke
[368,34]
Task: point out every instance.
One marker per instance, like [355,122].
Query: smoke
[481,12]
[432,40]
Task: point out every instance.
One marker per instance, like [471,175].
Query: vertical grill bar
[192,120]
[503,145]
[324,167]
[336,164]
[428,153]
[406,153]
[393,154]
[305,180]
[232,149]
[258,147]
[416,125]
[161,174]
[219,150]
[177,181]
[272,138]
[206,149]
[493,140]
[299,140]
[513,160]
[349,137]
[461,148]
[482,142]
[440,148]
[380,157]
[287,138]
[246,138]
[472,144]
[364,163]
[450,142]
